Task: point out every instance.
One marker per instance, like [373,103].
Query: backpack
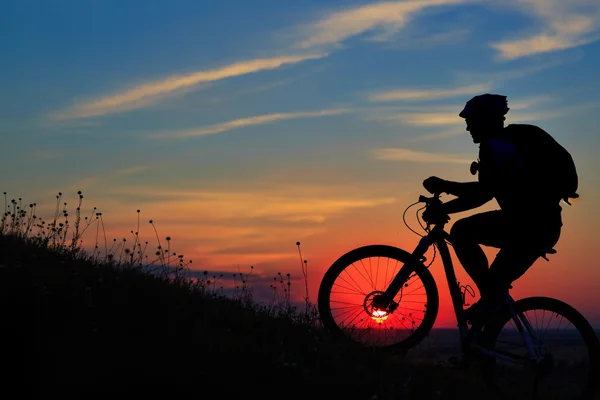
[545,160]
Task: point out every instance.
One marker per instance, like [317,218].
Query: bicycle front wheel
[347,290]
[567,346]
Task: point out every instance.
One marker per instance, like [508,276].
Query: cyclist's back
[520,189]
[527,187]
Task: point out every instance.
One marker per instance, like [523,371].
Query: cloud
[437,135]
[447,116]
[487,81]
[201,221]
[521,112]
[109,176]
[292,204]
[428,118]
[428,94]
[400,154]
[557,112]
[389,17]
[151,92]
[456,125]
[564,25]
[249,121]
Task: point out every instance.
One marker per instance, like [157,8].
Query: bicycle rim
[347,290]
[567,344]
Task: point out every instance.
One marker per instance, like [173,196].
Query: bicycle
[367,317]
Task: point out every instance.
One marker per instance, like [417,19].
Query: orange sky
[571,275]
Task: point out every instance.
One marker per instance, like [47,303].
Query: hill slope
[74,328]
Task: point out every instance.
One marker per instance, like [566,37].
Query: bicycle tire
[432,301]
[590,390]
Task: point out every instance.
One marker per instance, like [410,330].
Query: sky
[243,127]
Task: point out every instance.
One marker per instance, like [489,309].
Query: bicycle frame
[439,237]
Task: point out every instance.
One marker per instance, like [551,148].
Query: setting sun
[379,316]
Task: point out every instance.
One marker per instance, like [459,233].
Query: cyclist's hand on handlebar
[435,185]
[435,215]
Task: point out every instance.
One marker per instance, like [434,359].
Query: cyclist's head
[484,114]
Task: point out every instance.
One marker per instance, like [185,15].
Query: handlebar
[433,200]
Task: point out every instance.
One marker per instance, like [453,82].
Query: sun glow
[379,316]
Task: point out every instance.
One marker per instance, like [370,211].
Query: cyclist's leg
[520,250]
[510,264]
[488,228]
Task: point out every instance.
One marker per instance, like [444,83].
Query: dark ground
[73,329]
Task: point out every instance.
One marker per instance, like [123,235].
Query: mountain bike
[386,298]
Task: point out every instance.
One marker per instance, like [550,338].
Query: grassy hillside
[78,325]
[72,326]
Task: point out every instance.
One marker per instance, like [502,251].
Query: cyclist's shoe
[482,310]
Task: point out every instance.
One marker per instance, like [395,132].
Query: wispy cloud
[447,116]
[555,112]
[243,122]
[292,204]
[524,111]
[561,24]
[564,25]
[464,86]
[386,17]
[437,135]
[150,92]
[110,177]
[400,154]
[427,118]
[428,94]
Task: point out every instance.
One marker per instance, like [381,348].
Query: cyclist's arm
[464,189]
[469,195]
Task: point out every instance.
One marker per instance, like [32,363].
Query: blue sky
[263,122]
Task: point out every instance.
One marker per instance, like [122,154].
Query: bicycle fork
[384,301]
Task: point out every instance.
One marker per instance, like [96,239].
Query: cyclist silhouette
[529,218]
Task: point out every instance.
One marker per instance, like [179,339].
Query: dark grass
[78,325]
[74,327]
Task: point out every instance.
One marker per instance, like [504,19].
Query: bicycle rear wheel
[346,296]
[570,366]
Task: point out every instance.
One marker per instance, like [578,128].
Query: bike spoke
[377,272]
[409,293]
[559,366]
[362,276]
[356,292]
[336,292]
[357,285]
[352,293]
[368,278]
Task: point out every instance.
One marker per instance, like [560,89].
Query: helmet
[485,105]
